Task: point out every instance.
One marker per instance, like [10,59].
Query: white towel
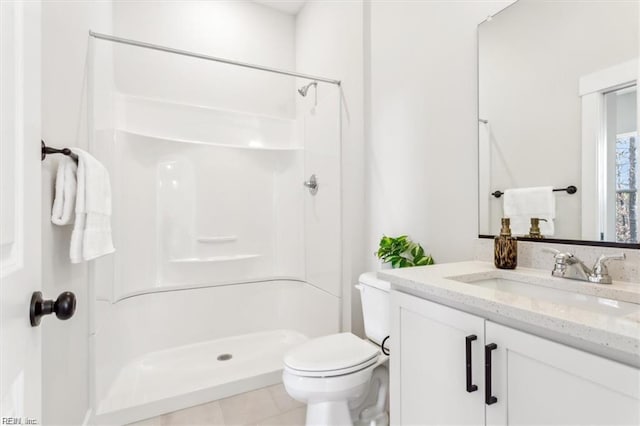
[64,202]
[91,236]
[521,204]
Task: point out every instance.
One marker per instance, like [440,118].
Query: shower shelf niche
[217,240]
[214,259]
[209,143]
[196,124]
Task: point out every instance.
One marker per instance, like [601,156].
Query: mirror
[558,109]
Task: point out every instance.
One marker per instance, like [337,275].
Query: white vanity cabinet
[534,381]
[540,382]
[428,364]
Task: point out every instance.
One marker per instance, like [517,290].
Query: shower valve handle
[312,184]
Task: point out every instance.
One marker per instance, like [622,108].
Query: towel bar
[569,190]
[48,150]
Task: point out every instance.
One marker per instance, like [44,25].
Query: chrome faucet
[567,265]
[600,273]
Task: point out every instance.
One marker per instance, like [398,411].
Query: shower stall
[226,221]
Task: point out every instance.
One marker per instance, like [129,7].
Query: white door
[429,364]
[540,382]
[20,372]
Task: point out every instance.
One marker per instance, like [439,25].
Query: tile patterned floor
[270,406]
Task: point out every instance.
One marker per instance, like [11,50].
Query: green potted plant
[401,252]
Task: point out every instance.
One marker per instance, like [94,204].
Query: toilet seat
[330,356]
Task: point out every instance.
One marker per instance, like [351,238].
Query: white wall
[419,68]
[329,42]
[65,27]
[238,30]
[422,149]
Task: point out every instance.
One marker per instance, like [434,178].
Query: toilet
[342,378]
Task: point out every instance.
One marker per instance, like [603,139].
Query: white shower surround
[267,280]
[208,197]
[157,352]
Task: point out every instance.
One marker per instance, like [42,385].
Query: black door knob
[64,307]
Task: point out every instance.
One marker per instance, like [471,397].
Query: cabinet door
[540,382]
[428,364]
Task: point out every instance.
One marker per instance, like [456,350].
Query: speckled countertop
[611,334]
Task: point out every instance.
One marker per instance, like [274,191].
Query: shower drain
[224,357]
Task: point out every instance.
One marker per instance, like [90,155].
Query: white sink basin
[542,292]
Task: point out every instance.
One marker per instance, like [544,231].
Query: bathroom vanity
[475,345]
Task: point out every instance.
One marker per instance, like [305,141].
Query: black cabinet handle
[488,398]
[470,387]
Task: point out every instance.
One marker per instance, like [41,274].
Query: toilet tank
[374,294]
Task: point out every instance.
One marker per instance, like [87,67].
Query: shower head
[304,89]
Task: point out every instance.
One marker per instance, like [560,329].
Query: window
[622,159]
[627,187]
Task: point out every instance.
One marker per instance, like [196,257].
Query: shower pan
[224,259]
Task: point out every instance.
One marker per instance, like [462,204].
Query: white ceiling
[291,7]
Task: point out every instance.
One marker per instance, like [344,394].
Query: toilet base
[334,413]
[357,398]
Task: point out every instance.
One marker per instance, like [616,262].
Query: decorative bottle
[505,248]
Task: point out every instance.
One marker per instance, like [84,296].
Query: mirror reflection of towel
[521,204]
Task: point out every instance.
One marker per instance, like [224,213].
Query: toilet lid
[337,352]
